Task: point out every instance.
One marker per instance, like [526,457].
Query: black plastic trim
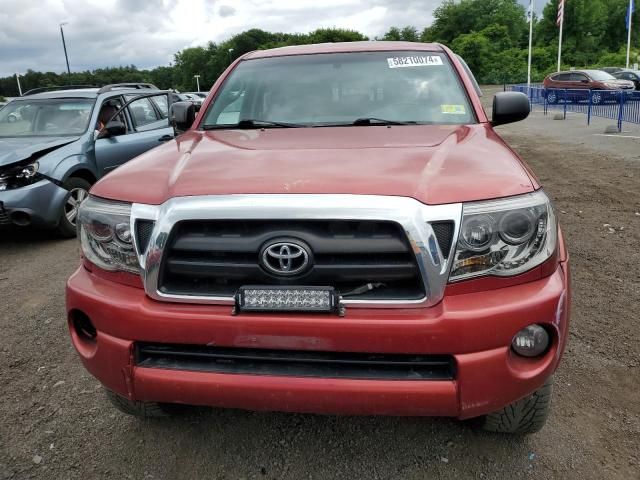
[217,257]
[444,235]
[144,229]
[295,363]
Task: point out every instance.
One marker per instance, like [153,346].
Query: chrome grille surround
[408,212]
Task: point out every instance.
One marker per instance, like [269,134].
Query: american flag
[560,12]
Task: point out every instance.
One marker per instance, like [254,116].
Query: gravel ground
[56,423]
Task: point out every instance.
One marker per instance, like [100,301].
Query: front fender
[71,164]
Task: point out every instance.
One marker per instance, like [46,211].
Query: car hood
[15,149]
[433,164]
[622,83]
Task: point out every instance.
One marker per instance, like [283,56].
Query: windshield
[45,117]
[342,89]
[600,76]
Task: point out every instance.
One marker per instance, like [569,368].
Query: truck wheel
[78,190]
[527,415]
[139,409]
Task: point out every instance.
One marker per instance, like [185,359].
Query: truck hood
[433,164]
[15,149]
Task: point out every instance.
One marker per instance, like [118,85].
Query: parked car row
[629,75]
[577,85]
[196,98]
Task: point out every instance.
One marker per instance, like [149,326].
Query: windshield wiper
[379,121]
[251,123]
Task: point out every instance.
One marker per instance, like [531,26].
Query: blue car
[56,142]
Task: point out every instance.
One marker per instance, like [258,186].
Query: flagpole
[530,38]
[629,14]
[560,39]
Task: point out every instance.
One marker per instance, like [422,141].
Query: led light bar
[287,299]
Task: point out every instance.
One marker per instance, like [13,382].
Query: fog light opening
[531,341]
[20,218]
[83,326]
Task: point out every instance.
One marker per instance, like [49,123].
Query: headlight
[105,235]
[505,237]
[17,176]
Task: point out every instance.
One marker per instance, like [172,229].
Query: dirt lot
[56,423]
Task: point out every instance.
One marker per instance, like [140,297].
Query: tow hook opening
[20,218]
[83,327]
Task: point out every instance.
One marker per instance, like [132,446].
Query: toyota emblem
[286,257]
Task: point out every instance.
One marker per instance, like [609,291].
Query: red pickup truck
[340,230]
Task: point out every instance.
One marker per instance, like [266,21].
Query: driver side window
[107,114]
[579,77]
[143,112]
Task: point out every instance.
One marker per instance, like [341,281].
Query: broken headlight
[16,176]
[104,227]
[505,237]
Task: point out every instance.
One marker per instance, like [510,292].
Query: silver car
[56,142]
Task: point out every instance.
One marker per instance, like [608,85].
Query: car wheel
[78,190]
[552,97]
[527,415]
[141,409]
[596,98]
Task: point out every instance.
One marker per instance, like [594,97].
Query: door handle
[165,138]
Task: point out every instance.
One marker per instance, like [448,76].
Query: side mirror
[115,128]
[584,80]
[182,115]
[509,107]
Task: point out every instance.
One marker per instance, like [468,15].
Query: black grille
[444,235]
[218,257]
[295,363]
[144,228]
[4,216]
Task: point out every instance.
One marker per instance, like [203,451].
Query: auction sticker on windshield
[453,109]
[414,61]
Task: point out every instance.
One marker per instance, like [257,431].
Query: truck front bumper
[476,329]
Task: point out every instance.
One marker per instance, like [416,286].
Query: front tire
[78,190]
[139,409]
[525,416]
[552,97]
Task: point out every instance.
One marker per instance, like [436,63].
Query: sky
[147,33]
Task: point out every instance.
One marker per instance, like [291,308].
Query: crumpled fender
[18,150]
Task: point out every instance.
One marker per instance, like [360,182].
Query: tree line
[491,35]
